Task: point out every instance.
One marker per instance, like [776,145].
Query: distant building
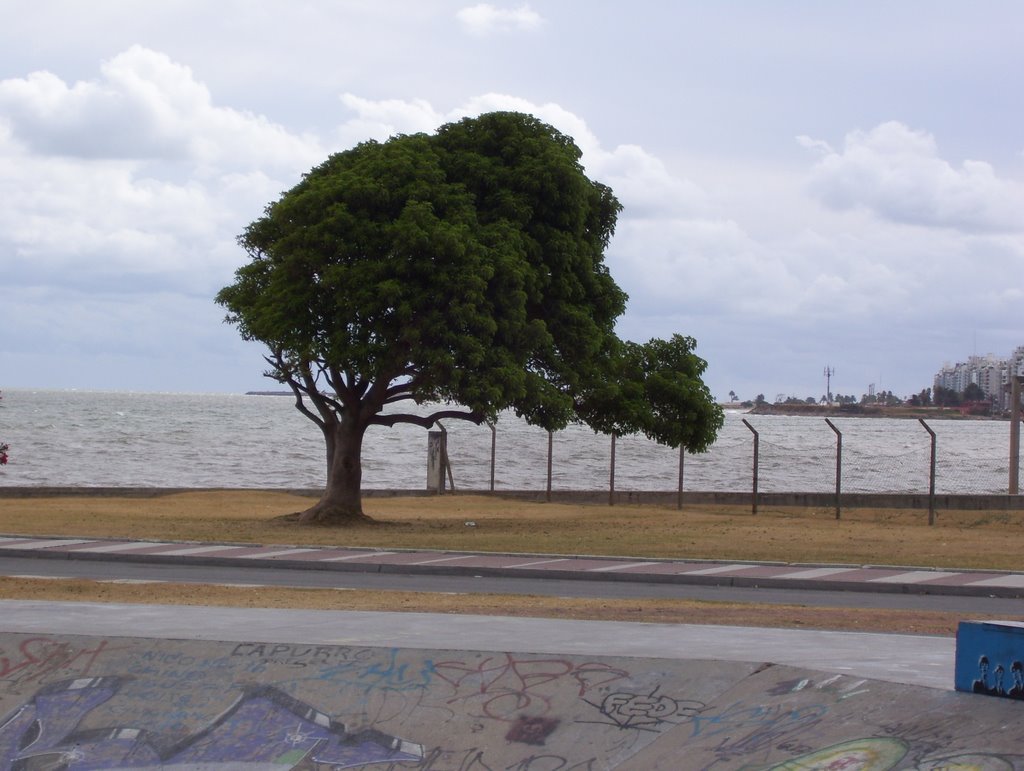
[990,373]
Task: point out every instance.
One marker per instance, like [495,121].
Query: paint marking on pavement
[815,573]
[114,547]
[1015,581]
[279,553]
[720,569]
[358,556]
[444,559]
[128,581]
[195,550]
[48,543]
[912,577]
[625,566]
[537,562]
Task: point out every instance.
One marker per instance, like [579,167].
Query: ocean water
[82,438]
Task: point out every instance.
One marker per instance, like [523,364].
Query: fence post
[494,442]
[1014,486]
[931,476]
[611,473]
[757,439]
[839,464]
[679,494]
[435,461]
[551,442]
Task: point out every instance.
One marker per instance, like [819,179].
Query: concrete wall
[654,497]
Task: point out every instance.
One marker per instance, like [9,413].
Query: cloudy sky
[806,184]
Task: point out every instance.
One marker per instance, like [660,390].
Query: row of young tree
[927,397]
[840,399]
[947,397]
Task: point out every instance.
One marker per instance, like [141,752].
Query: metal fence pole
[551,442]
[679,494]
[1014,482]
[931,476]
[494,443]
[444,457]
[611,474]
[757,439]
[839,464]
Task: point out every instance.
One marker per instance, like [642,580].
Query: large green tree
[463,268]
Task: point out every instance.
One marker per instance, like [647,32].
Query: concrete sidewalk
[908,659]
[860,578]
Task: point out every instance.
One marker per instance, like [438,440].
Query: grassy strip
[649,611]
[960,539]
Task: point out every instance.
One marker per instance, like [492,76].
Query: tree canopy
[464,268]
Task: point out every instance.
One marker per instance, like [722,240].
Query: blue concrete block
[990,658]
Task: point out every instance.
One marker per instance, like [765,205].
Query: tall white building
[990,373]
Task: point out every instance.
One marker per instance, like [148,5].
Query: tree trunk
[342,502]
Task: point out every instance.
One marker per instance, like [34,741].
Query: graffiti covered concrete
[81,703]
[787,719]
[86,703]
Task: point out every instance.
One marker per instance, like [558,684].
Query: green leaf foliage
[466,266]
[655,389]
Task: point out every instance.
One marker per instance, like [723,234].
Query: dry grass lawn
[991,540]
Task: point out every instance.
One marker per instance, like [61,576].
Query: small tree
[464,268]
[974,393]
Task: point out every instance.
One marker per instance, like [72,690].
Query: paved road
[865,578]
[118,571]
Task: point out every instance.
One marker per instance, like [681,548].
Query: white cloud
[640,180]
[484,19]
[898,174]
[136,180]
[382,119]
[145,106]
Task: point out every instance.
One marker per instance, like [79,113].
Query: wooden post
[435,461]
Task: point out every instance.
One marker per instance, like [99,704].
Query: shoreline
[862,411]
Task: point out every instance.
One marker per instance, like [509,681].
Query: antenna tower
[829,372]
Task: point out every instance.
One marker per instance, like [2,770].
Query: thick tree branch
[426,421]
[328,408]
[281,375]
